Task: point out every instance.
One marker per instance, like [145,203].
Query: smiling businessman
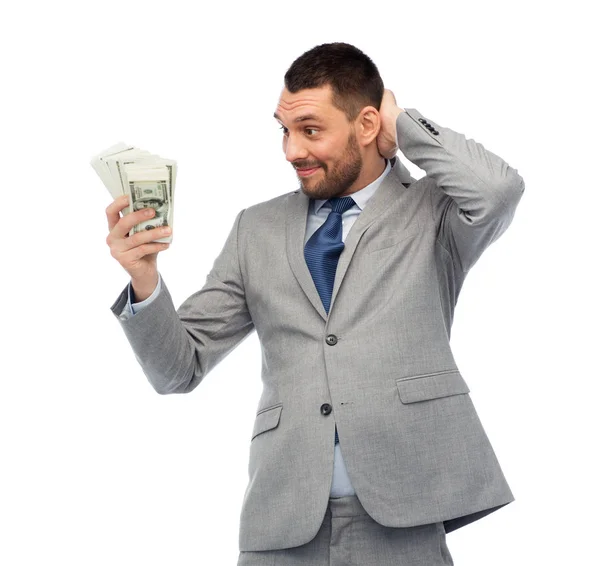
[366,447]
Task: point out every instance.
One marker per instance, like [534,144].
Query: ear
[368,124]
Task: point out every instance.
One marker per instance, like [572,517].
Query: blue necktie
[322,252]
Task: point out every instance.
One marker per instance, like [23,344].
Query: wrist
[144,286]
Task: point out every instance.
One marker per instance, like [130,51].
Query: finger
[113,209]
[390,94]
[137,253]
[143,237]
[127,222]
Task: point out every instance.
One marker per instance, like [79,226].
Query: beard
[337,180]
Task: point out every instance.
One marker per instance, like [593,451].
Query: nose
[293,148]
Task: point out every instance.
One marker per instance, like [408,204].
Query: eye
[311,130]
[284,129]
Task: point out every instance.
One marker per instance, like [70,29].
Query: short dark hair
[354,78]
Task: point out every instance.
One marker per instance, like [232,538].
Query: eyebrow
[303,118]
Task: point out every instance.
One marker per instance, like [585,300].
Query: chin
[313,193]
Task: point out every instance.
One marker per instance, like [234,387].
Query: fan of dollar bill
[148,179]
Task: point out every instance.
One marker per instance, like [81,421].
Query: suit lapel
[296,215]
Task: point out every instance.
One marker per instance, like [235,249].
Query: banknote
[150,185]
[99,164]
[148,180]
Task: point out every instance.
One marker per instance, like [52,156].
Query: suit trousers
[348,536]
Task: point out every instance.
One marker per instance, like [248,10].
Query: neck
[372,169]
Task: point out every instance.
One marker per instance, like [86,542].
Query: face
[318,139]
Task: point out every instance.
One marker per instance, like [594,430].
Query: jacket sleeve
[474,193]
[177,348]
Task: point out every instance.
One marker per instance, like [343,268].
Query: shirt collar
[362,196]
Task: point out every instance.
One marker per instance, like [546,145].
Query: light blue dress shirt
[317,214]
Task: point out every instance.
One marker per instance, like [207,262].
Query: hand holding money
[142,185]
[137,254]
[148,179]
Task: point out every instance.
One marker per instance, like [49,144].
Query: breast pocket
[431,386]
[381,244]
[266,419]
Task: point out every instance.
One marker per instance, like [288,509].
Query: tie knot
[341,204]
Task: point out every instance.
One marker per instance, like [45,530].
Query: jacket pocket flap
[266,420]
[377,244]
[431,386]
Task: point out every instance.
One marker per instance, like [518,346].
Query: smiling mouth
[307,171]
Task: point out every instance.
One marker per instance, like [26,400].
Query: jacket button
[325,408]
[331,339]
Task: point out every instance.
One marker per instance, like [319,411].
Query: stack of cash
[148,179]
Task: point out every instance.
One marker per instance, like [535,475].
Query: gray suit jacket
[379,365]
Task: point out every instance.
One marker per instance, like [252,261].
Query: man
[366,446]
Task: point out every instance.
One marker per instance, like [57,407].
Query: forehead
[310,103]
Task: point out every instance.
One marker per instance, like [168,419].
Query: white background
[96,468]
